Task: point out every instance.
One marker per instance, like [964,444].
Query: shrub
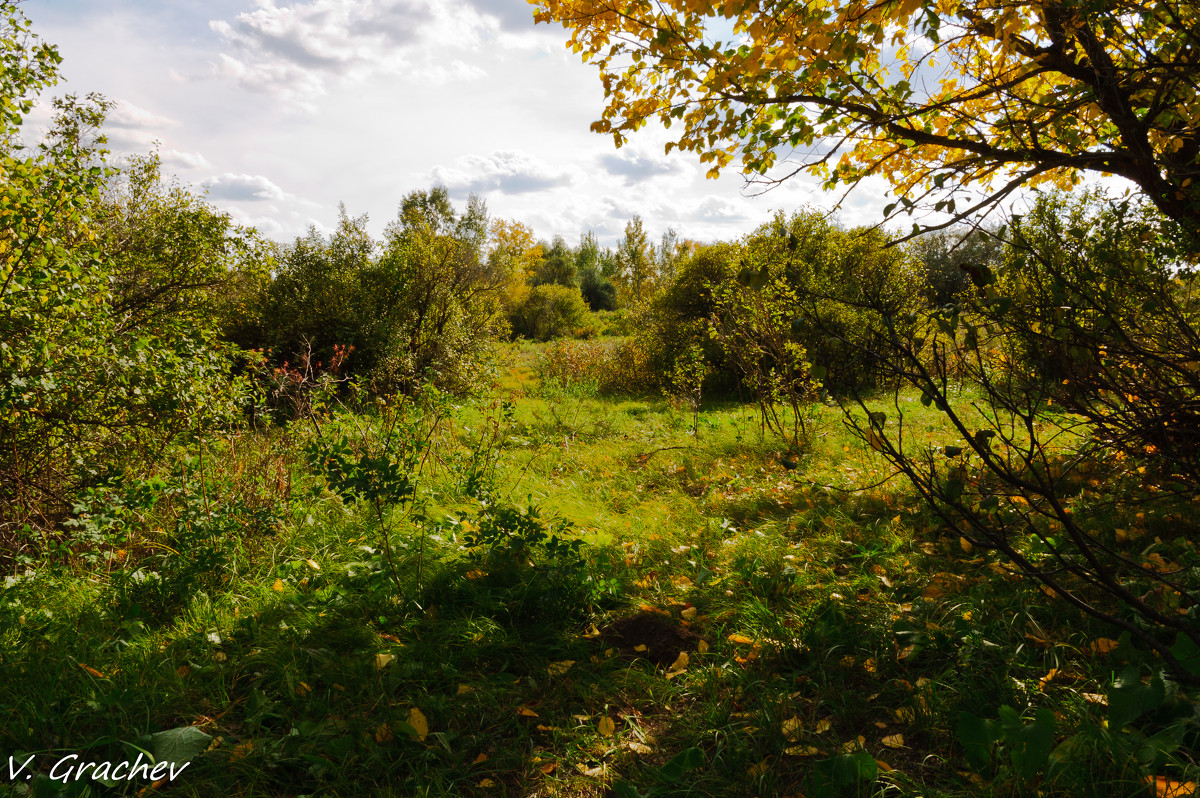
[550,311]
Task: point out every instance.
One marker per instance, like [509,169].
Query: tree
[109,349]
[557,266]
[634,254]
[947,100]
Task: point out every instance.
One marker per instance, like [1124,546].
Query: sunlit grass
[835,615]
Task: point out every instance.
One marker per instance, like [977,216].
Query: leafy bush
[106,304]
[1100,324]
[550,311]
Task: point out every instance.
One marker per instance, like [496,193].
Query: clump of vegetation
[812,515]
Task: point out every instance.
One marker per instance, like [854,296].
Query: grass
[844,634]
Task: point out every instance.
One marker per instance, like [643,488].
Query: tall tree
[636,258]
[956,103]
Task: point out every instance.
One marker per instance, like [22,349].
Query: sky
[284,109]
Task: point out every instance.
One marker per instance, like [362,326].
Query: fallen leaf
[487,783]
[592,773]
[1095,698]
[480,758]
[640,647]
[559,668]
[884,766]
[417,720]
[302,688]
[689,613]
[850,746]
[756,770]
[966,545]
[313,565]
[680,663]
[1166,788]
[382,661]
[383,734]
[183,670]
[802,750]
[823,726]
[741,639]
[463,689]
[278,586]
[893,740]
[1045,680]
[544,728]
[548,768]
[526,712]
[791,729]
[1103,645]
[638,748]
[905,714]
[240,751]
[607,726]
[702,647]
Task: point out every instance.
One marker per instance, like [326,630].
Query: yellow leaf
[606,726]
[823,726]
[856,744]
[480,758]
[702,646]
[382,661]
[754,771]
[640,647]
[802,750]
[1103,645]
[966,545]
[240,751]
[893,740]
[485,783]
[463,689]
[680,663]
[383,734]
[526,712]
[689,613]
[548,768]
[559,668]
[278,586]
[303,689]
[92,671]
[416,719]
[1166,788]
[905,714]
[1045,680]
[313,565]
[638,748]
[791,729]
[592,773]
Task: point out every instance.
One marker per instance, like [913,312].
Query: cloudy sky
[284,108]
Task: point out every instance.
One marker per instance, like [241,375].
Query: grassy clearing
[834,635]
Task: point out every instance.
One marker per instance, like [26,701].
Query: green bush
[550,311]
[107,305]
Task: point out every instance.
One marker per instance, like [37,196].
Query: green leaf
[1129,698]
[976,740]
[179,745]
[688,759]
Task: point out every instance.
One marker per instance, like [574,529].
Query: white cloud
[185,160]
[244,188]
[126,115]
[298,51]
[504,171]
[637,167]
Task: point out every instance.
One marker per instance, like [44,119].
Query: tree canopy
[957,104]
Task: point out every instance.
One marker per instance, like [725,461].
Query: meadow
[579,595]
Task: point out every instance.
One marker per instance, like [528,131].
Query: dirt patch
[662,637]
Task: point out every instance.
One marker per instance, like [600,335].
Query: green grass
[836,619]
